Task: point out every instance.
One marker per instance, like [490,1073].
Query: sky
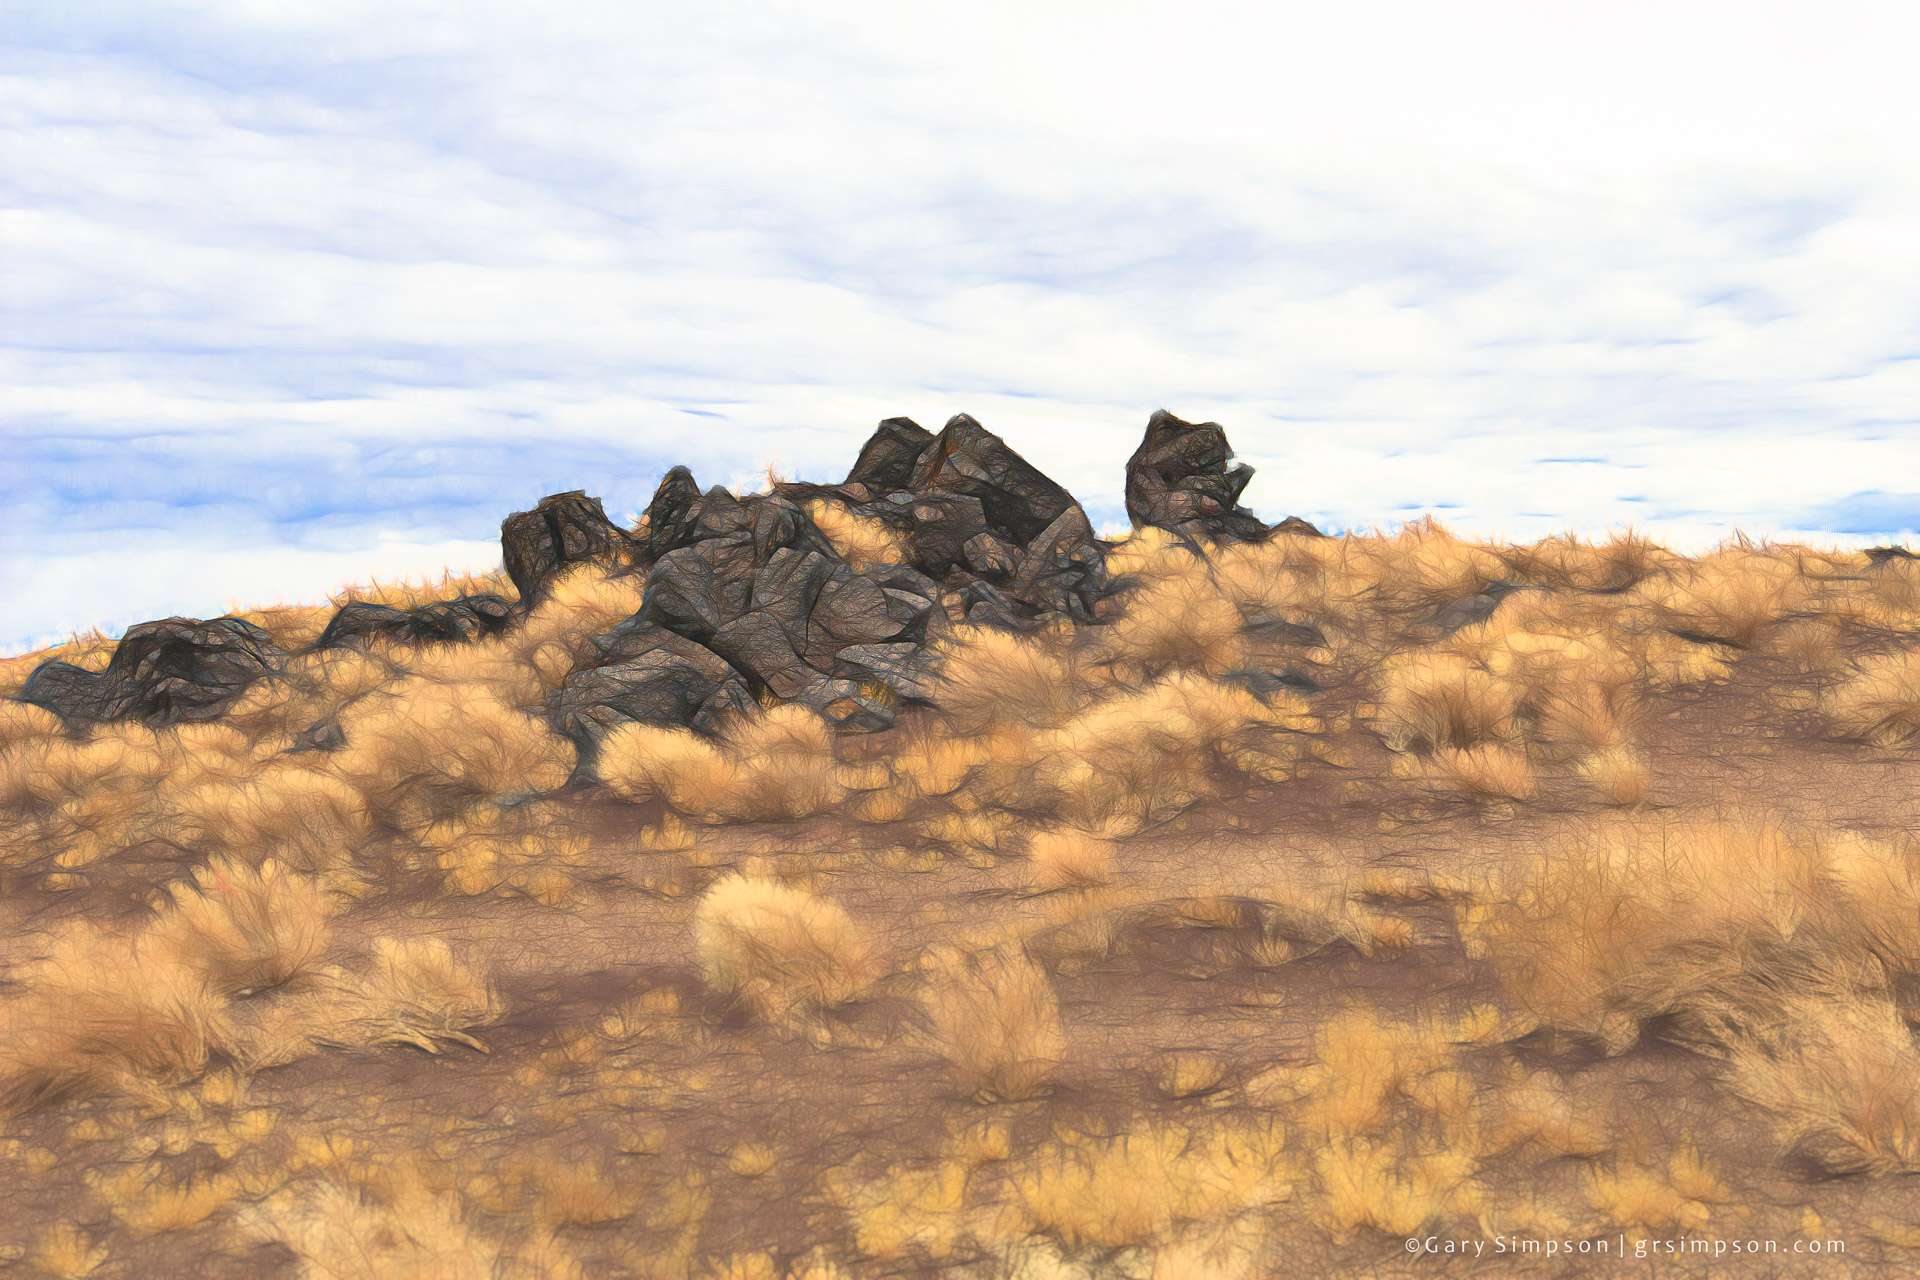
[295,295]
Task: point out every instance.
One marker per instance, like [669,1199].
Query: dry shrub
[989,677]
[243,928]
[1064,856]
[776,765]
[1432,701]
[1620,774]
[1570,564]
[996,1018]
[1175,623]
[1145,755]
[1111,1192]
[862,542]
[1731,595]
[1424,566]
[1774,951]
[581,603]
[1842,1082]
[419,991]
[99,1012]
[22,722]
[312,821]
[1880,701]
[779,948]
[337,1231]
[1590,714]
[1488,772]
[422,751]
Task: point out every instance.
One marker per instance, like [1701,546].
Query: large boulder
[443,621]
[887,460]
[965,458]
[173,671]
[746,596]
[1178,479]
[565,529]
[647,674]
[1005,545]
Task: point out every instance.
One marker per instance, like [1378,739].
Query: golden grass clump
[337,1231]
[779,764]
[244,928]
[1136,1188]
[581,603]
[995,1017]
[862,542]
[311,820]
[421,751]
[1177,622]
[419,991]
[1731,595]
[990,677]
[22,722]
[1569,563]
[100,1012]
[1879,701]
[1145,755]
[1841,1082]
[1430,701]
[1620,774]
[782,950]
[1424,566]
[1492,771]
[1635,921]
[1064,857]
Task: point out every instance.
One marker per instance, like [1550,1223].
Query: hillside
[892,879]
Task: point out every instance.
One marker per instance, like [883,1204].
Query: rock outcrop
[173,671]
[744,596]
[1178,479]
[443,621]
[565,529]
[1005,544]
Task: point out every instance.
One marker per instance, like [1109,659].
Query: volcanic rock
[1005,544]
[887,460]
[746,595]
[1179,479]
[564,529]
[443,621]
[172,671]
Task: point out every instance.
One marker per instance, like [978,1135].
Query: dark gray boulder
[887,460]
[173,671]
[442,621]
[967,459]
[1178,479]
[645,673]
[565,529]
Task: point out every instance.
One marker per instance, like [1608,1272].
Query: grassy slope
[1593,919]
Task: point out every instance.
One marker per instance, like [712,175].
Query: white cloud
[350,276]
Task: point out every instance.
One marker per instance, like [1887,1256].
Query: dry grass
[421,751]
[1431,702]
[1879,701]
[989,678]
[1217,1062]
[863,543]
[99,1012]
[1066,856]
[779,949]
[244,928]
[996,1018]
[779,764]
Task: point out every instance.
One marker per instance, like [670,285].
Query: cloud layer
[299,294]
